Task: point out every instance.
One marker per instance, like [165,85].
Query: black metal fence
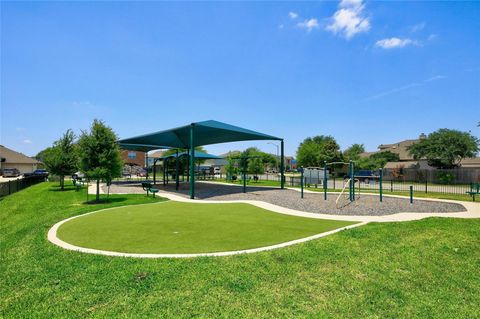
[12,186]
[436,176]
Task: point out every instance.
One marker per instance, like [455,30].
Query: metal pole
[164,164]
[166,169]
[411,194]
[301,181]
[176,171]
[325,181]
[146,165]
[154,171]
[244,173]
[353,185]
[350,172]
[381,181]
[192,161]
[282,164]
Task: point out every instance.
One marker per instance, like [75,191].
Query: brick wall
[133,157]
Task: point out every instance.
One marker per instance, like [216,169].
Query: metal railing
[13,186]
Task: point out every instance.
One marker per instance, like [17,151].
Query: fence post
[411,194]
[9,188]
[301,181]
[426,186]
[391,185]
[381,184]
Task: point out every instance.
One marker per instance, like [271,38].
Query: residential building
[133,157]
[12,159]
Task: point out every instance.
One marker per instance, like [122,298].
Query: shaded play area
[186,138]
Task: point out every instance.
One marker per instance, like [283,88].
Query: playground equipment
[340,196]
[311,175]
[351,188]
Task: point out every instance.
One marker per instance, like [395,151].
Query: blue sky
[363,72]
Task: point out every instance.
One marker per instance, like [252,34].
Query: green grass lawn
[418,269]
[175,227]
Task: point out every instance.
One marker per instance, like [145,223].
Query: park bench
[148,187]
[474,190]
[78,183]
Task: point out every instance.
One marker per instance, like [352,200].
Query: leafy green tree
[315,151]
[41,155]
[255,166]
[376,160]
[99,154]
[353,152]
[445,148]
[232,164]
[61,159]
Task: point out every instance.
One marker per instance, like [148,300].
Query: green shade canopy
[198,134]
[140,147]
[206,133]
[198,155]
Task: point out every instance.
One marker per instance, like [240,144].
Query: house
[401,148]
[407,161]
[473,162]
[12,159]
[133,157]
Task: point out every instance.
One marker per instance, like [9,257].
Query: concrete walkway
[473,211]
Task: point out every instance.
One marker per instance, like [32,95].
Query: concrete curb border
[473,211]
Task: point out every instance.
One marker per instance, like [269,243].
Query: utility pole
[276,158]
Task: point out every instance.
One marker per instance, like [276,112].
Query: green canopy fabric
[140,147]
[206,133]
[198,134]
[198,155]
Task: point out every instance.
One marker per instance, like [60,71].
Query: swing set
[350,183]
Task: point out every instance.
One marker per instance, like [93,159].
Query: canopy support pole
[146,165]
[192,161]
[154,171]
[164,172]
[176,171]
[282,166]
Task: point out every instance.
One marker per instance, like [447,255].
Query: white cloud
[436,78]
[308,24]
[281,26]
[27,141]
[392,43]
[349,19]
[432,37]
[293,15]
[408,86]
[418,27]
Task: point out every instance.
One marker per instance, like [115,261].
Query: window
[132,155]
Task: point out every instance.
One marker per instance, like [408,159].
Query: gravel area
[366,205]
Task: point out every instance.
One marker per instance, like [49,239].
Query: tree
[232,166]
[255,166]
[61,159]
[445,148]
[99,154]
[315,151]
[376,160]
[353,152]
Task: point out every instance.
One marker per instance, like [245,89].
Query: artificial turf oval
[176,227]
